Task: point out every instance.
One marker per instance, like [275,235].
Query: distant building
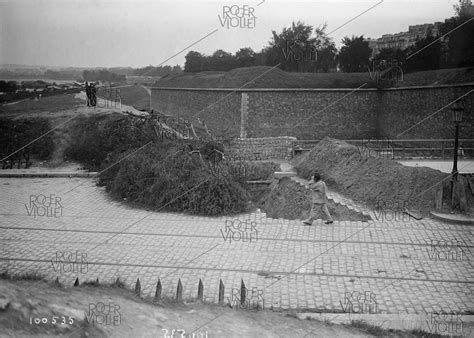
[404,40]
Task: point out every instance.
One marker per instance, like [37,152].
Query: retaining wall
[316,113]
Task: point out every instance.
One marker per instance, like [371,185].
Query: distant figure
[93,95]
[460,151]
[88,94]
[319,200]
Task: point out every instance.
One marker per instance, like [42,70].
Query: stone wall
[316,113]
[405,108]
[265,148]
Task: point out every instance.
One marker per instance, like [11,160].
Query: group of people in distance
[91,92]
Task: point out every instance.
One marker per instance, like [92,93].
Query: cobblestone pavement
[318,267]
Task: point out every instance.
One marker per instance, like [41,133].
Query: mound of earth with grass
[371,179]
[266,77]
[290,200]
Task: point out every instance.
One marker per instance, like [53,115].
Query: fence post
[243,115]
[243,293]
[179,291]
[200,290]
[221,292]
[138,287]
[158,290]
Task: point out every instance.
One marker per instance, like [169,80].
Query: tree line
[300,48]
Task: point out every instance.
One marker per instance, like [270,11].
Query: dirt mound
[370,179]
[291,200]
[277,78]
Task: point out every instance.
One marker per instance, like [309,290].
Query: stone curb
[47,174]
[452,218]
[406,322]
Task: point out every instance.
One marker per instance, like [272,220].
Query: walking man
[319,200]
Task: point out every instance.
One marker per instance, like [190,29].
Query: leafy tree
[391,53]
[222,61]
[326,50]
[354,55]
[194,61]
[297,48]
[464,8]
[426,54]
[8,87]
[245,57]
[460,36]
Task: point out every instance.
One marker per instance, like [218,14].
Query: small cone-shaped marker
[179,291]
[138,287]
[97,281]
[158,290]
[200,290]
[221,292]
[243,293]
[76,283]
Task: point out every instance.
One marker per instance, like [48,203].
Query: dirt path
[133,317]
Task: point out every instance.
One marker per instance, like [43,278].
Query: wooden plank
[439,198]
[461,192]
[470,182]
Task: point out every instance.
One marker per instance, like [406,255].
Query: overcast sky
[96,33]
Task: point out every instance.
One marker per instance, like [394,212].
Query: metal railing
[400,149]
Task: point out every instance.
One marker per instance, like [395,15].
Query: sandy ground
[130,316]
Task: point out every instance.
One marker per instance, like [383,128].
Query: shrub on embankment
[15,134]
[170,179]
[95,138]
[164,175]
[370,179]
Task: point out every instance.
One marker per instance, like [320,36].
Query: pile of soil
[290,200]
[371,179]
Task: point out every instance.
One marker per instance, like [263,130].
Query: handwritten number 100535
[180,333]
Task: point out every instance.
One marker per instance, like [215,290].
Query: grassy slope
[276,78]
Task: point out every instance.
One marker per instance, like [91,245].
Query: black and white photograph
[227,168]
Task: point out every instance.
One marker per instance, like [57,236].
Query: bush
[15,134]
[169,178]
[164,175]
[97,138]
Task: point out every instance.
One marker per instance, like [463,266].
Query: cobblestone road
[295,266]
